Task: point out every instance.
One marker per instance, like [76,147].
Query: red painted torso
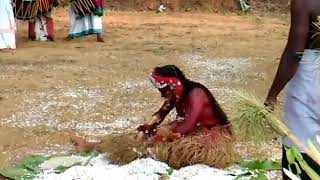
[206,117]
[197,111]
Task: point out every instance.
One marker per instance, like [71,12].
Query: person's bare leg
[100,38]
[69,38]
[50,28]
[31,30]
[82,145]
[50,38]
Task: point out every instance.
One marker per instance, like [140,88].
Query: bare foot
[82,145]
[100,38]
[69,38]
[50,39]
[32,38]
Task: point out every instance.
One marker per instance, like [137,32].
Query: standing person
[299,69]
[41,27]
[88,23]
[7,26]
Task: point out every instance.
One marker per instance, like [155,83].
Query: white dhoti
[302,108]
[41,28]
[7,26]
[82,26]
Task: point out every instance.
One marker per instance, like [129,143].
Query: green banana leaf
[244,6]
[266,165]
[29,168]
[33,162]
[18,173]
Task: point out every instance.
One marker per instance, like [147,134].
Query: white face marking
[157,84]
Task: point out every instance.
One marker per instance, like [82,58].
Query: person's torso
[207,117]
[305,85]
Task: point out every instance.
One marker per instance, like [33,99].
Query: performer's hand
[156,118]
[141,136]
[148,129]
[173,136]
[144,127]
[270,102]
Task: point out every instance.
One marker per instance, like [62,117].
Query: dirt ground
[221,6]
[48,89]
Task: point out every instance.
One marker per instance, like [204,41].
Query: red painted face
[167,85]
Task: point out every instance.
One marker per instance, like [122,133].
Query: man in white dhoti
[299,69]
[90,23]
[7,26]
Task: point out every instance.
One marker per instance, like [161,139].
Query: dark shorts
[303,175]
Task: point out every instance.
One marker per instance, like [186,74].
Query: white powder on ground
[200,172]
[100,168]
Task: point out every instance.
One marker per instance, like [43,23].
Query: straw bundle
[316,25]
[214,148]
[251,119]
[123,148]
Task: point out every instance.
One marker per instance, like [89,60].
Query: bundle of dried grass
[214,148]
[253,121]
[123,148]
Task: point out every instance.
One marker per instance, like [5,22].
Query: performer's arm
[158,117]
[165,109]
[292,54]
